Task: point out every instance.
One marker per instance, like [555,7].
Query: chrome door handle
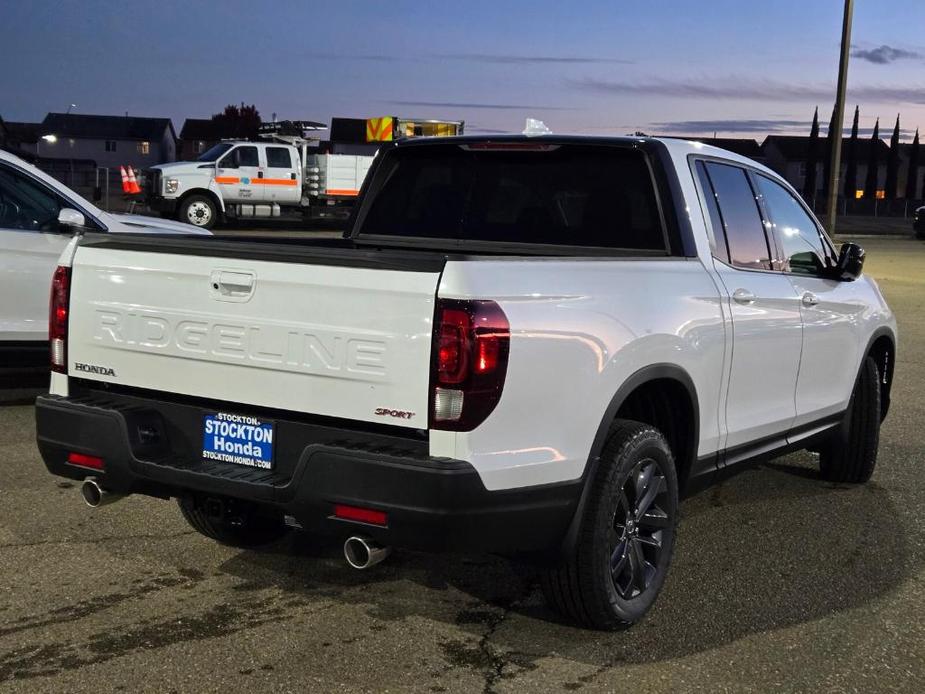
[743,296]
[810,299]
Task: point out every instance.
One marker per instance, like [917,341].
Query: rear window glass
[567,195]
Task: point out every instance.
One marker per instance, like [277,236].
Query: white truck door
[765,308]
[238,175]
[833,325]
[283,176]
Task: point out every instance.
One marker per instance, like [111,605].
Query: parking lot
[779,581]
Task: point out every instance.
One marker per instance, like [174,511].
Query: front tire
[236,524]
[850,455]
[200,211]
[627,534]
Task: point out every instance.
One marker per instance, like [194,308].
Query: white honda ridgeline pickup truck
[524,345]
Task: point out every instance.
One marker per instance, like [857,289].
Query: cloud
[501,59]
[759,126]
[883,55]
[487,131]
[732,126]
[490,58]
[476,105]
[378,58]
[738,87]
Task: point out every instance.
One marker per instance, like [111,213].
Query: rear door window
[278,158]
[746,241]
[563,195]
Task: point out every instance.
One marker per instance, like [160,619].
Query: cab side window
[278,158]
[802,247]
[26,204]
[746,244]
[247,156]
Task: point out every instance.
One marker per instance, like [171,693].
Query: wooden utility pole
[835,163]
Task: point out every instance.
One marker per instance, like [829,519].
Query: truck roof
[676,146]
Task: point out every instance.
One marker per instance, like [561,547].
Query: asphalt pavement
[780,581]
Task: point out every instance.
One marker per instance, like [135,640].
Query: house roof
[22,132]
[745,146]
[203,129]
[796,147]
[81,126]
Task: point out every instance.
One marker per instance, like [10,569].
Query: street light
[50,139]
[835,161]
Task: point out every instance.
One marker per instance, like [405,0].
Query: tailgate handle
[233,284]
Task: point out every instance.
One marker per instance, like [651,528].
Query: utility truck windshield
[214,152]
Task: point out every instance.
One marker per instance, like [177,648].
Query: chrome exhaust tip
[95,496]
[362,552]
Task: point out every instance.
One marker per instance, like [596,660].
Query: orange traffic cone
[132,182]
[126,187]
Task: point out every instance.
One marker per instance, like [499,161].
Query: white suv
[38,217]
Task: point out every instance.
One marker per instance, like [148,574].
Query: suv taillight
[57,319]
[471,344]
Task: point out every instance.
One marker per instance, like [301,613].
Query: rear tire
[627,534]
[199,210]
[240,525]
[850,455]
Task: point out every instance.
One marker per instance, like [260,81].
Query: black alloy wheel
[639,523]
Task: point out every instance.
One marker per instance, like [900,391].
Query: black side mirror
[850,262]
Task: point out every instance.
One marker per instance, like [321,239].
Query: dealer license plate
[239,439]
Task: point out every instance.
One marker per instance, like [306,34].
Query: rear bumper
[434,504]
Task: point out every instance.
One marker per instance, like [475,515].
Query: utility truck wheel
[231,522]
[627,533]
[850,455]
[200,211]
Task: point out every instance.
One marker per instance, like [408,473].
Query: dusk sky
[670,67]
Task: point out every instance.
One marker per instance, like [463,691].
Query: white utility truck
[524,345]
[288,173]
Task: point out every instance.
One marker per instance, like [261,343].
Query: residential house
[196,136]
[787,155]
[20,138]
[110,141]
[905,151]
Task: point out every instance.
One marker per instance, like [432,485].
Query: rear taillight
[84,460]
[471,344]
[57,320]
[361,515]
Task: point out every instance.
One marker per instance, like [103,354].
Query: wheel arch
[881,346]
[684,435]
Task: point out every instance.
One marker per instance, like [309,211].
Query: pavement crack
[95,541]
[492,657]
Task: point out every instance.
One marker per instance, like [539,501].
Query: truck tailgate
[326,336]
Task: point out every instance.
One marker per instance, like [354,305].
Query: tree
[829,144]
[873,164]
[892,165]
[812,157]
[851,159]
[912,179]
[238,122]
